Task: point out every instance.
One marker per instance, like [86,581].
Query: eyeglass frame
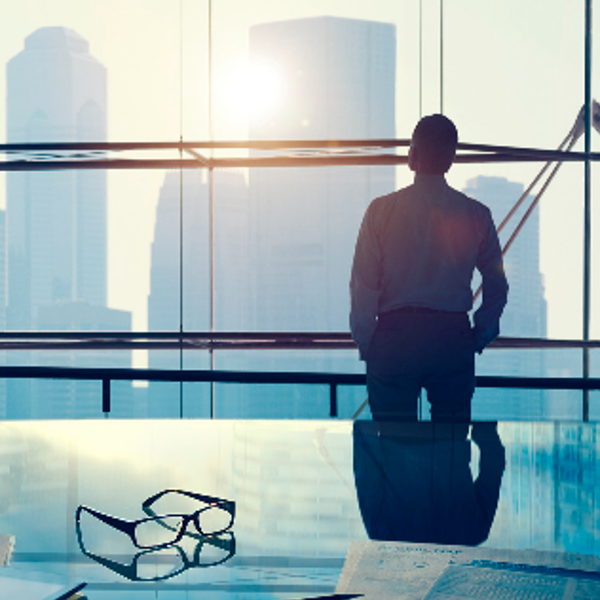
[128,526]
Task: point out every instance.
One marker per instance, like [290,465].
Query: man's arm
[365,284]
[494,288]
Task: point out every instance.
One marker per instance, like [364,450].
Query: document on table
[409,571]
[17,588]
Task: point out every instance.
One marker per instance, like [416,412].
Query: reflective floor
[301,492]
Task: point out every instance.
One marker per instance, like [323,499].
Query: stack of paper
[409,571]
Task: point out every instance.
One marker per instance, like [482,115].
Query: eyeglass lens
[213,520]
[166,529]
[157,532]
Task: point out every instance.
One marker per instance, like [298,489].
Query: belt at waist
[419,310]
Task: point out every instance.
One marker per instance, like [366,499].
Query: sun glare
[253,91]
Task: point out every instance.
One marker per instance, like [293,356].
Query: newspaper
[410,571]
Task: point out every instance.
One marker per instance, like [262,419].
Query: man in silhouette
[410,288]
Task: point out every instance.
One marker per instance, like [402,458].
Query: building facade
[56,221]
[525,314]
[338,82]
[180,286]
[337,78]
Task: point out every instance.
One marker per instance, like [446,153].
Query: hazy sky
[513,75]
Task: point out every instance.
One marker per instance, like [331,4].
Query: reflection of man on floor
[410,289]
[414,481]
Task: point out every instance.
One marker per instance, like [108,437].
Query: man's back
[430,237]
[415,256]
[419,247]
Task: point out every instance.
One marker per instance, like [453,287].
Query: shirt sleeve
[365,284]
[494,288]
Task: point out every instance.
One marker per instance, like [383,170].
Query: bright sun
[253,91]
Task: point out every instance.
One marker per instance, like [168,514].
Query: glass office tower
[181,247]
[525,313]
[56,92]
[57,221]
[338,81]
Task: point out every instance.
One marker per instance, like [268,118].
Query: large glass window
[246,249]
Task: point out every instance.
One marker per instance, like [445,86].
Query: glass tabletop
[298,493]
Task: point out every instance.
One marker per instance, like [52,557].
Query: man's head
[433,145]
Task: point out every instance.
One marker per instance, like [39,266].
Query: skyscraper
[56,221]
[173,301]
[188,194]
[337,78]
[338,82]
[525,313]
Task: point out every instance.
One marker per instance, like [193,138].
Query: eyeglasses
[159,564]
[159,531]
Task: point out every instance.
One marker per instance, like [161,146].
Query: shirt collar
[427,180]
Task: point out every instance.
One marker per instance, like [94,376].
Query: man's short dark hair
[435,139]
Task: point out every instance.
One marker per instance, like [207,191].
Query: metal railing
[232,340]
[332,380]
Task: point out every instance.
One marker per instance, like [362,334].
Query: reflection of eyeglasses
[163,563]
[159,531]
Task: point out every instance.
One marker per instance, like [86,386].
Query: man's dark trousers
[415,348]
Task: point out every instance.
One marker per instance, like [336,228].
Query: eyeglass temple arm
[120,524]
[228,504]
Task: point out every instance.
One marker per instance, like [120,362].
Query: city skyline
[343,122]
[284,241]
[158,107]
